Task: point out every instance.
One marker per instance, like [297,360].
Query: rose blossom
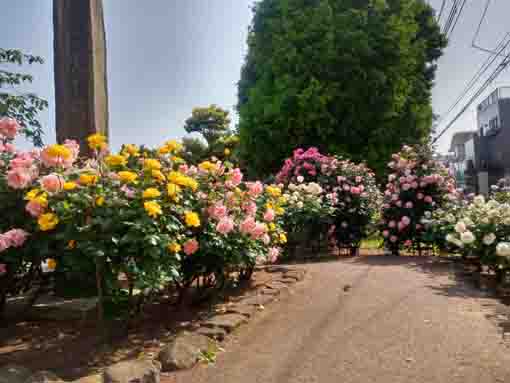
[393,238]
[52,183]
[9,127]
[3,268]
[19,178]
[266,239]
[420,196]
[428,199]
[269,215]
[236,176]
[130,193]
[16,237]
[4,243]
[247,225]
[273,254]
[255,188]
[406,220]
[34,208]
[385,233]
[355,190]
[250,207]
[409,205]
[408,243]
[191,246]
[218,210]
[225,225]
[392,224]
[258,231]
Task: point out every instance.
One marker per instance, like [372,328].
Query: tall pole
[81,92]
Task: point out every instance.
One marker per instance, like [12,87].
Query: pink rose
[191,246]
[130,193]
[355,190]
[406,187]
[236,176]
[52,183]
[3,268]
[418,226]
[250,208]
[385,233]
[398,203]
[409,205]
[16,237]
[218,210]
[401,226]
[347,187]
[408,243]
[269,215]
[5,243]
[393,238]
[405,220]
[255,188]
[273,254]
[35,209]
[9,127]
[225,225]
[258,231]
[392,224]
[358,179]
[266,239]
[248,225]
[420,196]
[428,199]
[183,168]
[22,160]
[300,179]
[19,178]
[394,197]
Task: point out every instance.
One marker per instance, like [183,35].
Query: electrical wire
[477,33]
[504,63]
[451,15]
[481,71]
[457,19]
[441,11]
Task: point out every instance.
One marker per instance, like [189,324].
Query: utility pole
[81,93]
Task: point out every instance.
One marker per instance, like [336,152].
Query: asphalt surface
[369,319]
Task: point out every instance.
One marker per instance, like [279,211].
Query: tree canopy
[211,122]
[350,77]
[24,107]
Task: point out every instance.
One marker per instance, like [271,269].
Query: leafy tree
[194,150]
[211,122]
[24,107]
[350,77]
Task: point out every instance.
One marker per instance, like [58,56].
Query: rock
[257,300]
[14,374]
[212,332]
[228,322]
[246,310]
[298,275]
[275,285]
[183,351]
[139,371]
[90,379]
[272,292]
[277,269]
[44,377]
[287,281]
[49,308]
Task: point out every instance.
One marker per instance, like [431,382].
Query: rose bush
[141,215]
[417,186]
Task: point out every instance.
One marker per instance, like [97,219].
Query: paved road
[402,320]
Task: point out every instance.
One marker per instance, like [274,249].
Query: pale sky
[167,56]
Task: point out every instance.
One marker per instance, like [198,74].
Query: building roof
[460,138]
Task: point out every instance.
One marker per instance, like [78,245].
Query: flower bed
[141,214]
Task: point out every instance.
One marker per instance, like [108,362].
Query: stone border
[188,347]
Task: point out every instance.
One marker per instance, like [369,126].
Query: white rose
[300,179]
[299,205]
[292,187]
[479,200]
[503,249]
[467,237]
[450,218]
[489,239]
[460,227]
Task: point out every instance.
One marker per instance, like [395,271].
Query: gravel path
[369,319]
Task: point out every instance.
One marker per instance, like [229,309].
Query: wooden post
[81,95]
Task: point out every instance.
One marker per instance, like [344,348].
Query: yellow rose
[158,175]
[151,164]
[173,190]
[88,179]
[207,166]
[151,193]
[100,201]
[273,191]
[70,186]
[115,160]
[47,221]
[279,210]
[282,238]
[130,150]
[127,177]
[97,141]
[174,247]
[163,150]
[32,194]
[226,152]
[152,208]
[191,219]
[272,226]
[58,151]
[173,146]
[71,244]
[52,264]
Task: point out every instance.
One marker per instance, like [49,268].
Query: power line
[458,17]
[481,71]
[451,15]
[441,11]
[477,33]
[504,63]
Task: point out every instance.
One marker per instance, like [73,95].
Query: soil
[74,349]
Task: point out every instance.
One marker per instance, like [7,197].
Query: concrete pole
[81,92]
